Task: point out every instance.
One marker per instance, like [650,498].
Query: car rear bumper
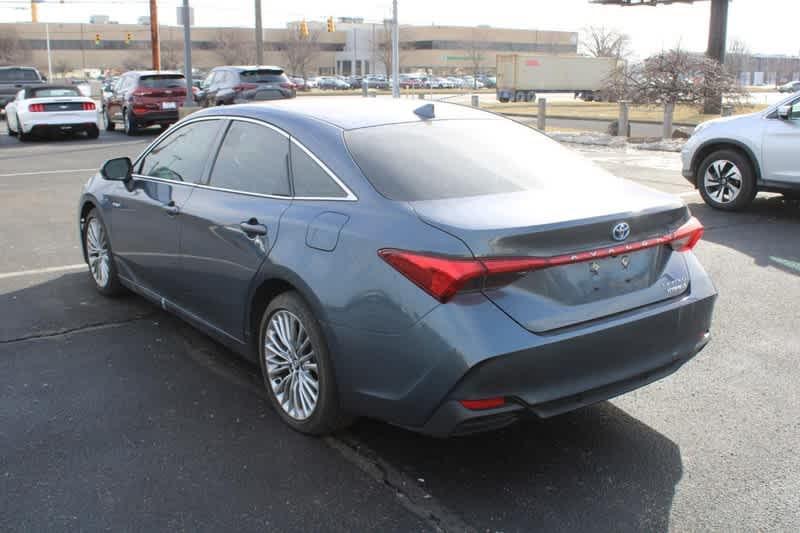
[53,121]
[470,350]
[62,129]
[156,117]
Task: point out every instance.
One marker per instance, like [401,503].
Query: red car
[144,98]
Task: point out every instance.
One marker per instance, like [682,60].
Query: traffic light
[128,38]
[303,29]
[97,39]
[331,25]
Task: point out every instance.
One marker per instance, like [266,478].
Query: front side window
[182,156]
[310,180]
[253,159]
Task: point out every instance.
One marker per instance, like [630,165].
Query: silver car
[434,266]
[730,159]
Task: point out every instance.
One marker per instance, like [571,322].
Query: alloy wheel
[97,252]
[291,365]
[723,181]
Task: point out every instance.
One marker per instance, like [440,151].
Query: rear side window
[252,158]
[18,74]
[162,81]
[182,156]
[263,76]
[440,159]
[310,180]
[53,92]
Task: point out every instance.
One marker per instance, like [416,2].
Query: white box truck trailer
[521,77]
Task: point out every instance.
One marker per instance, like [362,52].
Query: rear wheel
[21,135]
[726,180]
[93,132]
[297,368]
[130,124]
[99,256]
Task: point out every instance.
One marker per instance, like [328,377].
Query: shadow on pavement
[596,469]
[766,231]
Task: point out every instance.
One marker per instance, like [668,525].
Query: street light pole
[187,55]
[49,60]
[259,35]
[395,52]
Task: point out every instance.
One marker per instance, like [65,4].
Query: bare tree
[12,49]
[476,52]
[234,48]
[61,67]
[676,76]
[171,55]
[134,62]
[600,41]
[738,57]
[384,47]
[301,51]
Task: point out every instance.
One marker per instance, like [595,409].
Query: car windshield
[440,159]
[162,81]
[18,74]
[53,91]
[263,76]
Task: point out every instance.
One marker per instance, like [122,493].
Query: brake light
[443,277]
[89,106]
[288,85]
[244,87]
[36,108]
[687,236]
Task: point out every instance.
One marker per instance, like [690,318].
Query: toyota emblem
[621,231]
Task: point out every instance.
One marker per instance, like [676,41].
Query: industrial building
[354,47]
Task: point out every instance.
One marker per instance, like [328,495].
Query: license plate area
[169,105]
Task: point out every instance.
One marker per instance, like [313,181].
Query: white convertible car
[54,109]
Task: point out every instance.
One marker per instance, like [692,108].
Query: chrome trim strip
[351,197]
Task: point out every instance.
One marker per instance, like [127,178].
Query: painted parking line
[43,172]
[48,270]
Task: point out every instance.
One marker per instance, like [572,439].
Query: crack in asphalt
[94,326]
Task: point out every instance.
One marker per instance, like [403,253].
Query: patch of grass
[601,110]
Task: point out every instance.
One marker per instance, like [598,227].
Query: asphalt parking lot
[115,415]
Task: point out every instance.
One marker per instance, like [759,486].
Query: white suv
[730,159]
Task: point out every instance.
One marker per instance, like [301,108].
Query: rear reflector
[443,277]
[36,108]
[481,405]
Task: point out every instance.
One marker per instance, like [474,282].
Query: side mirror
[784,112]
[119,169]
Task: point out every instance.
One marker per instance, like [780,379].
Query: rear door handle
[252,228]
[171,209]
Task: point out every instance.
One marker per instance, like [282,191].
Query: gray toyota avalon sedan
[435,266]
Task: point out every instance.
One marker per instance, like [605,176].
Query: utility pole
[49,60]
[717,40]
[187,54]
[155,44]
[259,35]
[395,52]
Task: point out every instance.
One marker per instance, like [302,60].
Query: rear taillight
[89,106]
[443,277]
[687,236]
[481,405]
[288,85]
[244,87]
[36,108]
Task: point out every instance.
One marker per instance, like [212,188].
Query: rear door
[145,211]
[780,147]
[230,224]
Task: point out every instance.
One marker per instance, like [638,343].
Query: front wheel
[297,369]
[726,181]
[99,256]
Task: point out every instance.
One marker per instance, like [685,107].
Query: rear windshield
[18,74]
[439,159]
[53,91]
[263,76]
[162,81]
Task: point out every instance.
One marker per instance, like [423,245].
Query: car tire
[129,123]
[290,381]
[93,133]
[110,126]
[21,135]
[735,174]
[11,133]
[99,257]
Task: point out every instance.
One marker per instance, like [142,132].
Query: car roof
[153,72]
[249,67]
[348,112]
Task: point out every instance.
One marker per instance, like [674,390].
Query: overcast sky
[767,26]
